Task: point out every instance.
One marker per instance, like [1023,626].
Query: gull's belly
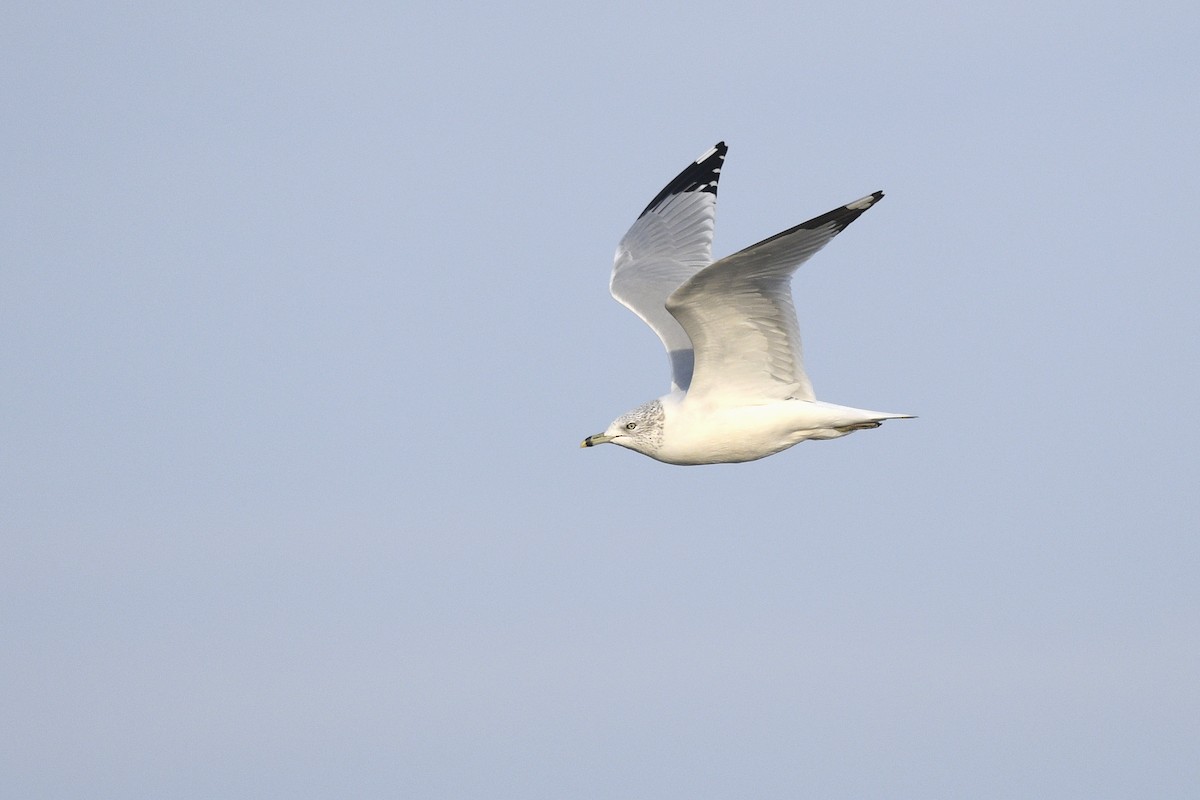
[706,435]
[715,436]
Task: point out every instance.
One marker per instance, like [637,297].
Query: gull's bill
[595,439]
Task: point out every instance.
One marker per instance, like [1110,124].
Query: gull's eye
[630,426]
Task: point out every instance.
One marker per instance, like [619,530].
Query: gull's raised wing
[739,316]
[670,242]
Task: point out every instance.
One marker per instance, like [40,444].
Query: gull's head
[640,430]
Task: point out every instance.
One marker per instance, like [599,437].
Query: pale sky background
[304,313]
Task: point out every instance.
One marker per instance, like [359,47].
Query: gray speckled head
[640,429]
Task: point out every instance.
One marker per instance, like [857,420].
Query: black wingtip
[843,216]
[840,217]
[699,176]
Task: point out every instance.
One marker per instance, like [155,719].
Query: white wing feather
[738,314]
[670,242]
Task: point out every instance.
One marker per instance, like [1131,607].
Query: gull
[738,387]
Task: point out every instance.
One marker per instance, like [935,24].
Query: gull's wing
[739,316]
[670,242]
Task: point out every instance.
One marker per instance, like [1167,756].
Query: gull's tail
[838,421]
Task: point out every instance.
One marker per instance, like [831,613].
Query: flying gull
[738,387]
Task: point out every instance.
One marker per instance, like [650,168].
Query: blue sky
[305,313]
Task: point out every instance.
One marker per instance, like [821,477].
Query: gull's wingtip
[839,217]
[699,176]
[719,149]
[863,203]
